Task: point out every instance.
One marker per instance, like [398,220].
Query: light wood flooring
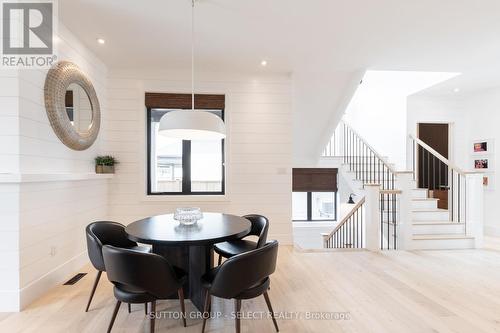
[419,291]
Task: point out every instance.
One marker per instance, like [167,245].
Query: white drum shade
[192,125]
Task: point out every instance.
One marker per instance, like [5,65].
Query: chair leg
[129,308]
[180,292]
[93,290]
[270,307]
[115,312]
[237,309]
[220,260]
[206,311]
[153,316]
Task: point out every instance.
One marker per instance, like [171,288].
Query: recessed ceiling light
[101,40]
[263,63]
[456,90]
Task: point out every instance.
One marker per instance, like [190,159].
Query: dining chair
[106,233]
[260,226]
[140,277]
[244,276]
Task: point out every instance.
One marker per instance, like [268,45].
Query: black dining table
[189,247]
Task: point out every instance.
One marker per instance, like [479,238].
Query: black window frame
[186,162]
[309,208]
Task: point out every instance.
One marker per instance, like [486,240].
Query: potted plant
[105,164]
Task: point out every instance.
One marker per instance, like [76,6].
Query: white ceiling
[313,39]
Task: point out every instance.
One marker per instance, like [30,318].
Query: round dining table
[189,247]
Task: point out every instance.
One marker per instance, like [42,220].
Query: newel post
[405,183]
[474,208]
[372,217]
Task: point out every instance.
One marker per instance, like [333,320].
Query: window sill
[186,198]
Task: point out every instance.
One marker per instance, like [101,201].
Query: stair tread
[441,236]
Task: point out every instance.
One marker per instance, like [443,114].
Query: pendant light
[191,124]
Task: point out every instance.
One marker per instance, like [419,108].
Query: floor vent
[75,279]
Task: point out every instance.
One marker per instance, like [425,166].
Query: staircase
[427,225]
[432,228]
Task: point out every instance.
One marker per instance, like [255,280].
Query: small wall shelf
[13,178]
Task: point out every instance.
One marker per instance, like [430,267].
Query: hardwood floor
[419,291]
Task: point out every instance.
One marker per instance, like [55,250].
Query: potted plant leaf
[105,164]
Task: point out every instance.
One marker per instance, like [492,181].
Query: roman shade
[183,101]
[314,180]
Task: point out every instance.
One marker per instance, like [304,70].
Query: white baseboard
[283,239]
[15,301]
[48,281]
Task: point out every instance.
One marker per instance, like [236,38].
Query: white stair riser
[424,204]
[443,244]
[431,216]
[435,229]
[419,193]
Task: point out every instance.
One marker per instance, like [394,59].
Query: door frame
[451,130]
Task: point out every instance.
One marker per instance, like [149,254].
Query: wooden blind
[314,180]
[183,101]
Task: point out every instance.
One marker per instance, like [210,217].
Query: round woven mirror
[72,106]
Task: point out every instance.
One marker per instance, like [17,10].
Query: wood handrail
[370,147]
[345,219]
[391,191]
[440,157]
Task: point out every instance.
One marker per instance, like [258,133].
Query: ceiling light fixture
[263,63]
[456,90]
[192,124]
[101,41]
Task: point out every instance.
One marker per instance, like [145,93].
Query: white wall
[453,111]
[472,116]
[43,221]
[319,101]
[377,111]
[259,149]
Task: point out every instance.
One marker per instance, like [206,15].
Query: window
[314,194]
[182,167]
[323,205]
[314,206]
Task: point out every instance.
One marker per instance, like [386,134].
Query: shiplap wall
[46,219]
[258,149]
[9,193]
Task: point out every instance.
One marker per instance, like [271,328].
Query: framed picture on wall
[482,159]
[480,147]
[488,181]
[482,163]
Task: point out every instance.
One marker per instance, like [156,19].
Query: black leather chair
[244,276]
[260,226]
[106,233]
[142,278]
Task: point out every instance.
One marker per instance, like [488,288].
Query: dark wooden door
[432,174]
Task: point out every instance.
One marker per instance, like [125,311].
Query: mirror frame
[58,79]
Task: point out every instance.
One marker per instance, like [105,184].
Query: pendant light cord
[192,55]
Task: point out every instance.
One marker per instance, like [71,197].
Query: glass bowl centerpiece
[188,215]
